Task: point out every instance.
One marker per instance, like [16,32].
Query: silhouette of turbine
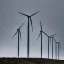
[52,36]
[48,42]
[19,34]
[28,31]
[55,47]
[58,48]
[41,37]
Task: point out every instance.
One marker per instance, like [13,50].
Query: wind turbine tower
[48,41]
[58,49]
[28,30]
[19,35]
[52,36]
[41,37]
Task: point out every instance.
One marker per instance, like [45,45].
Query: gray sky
[51,14]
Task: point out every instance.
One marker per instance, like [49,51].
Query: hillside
[29,61]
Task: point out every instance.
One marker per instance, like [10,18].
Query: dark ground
[29,61]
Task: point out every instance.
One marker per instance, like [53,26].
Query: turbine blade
[21,25]
[34,13]
[22,14]
[45,33]
[20,34]
[54,40]
[14,34]
[40,24]
[31,24]
[39,36]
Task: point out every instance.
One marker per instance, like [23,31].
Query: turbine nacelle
[53,35]
[29,16]
[18,30]
[58,42]
[40,31]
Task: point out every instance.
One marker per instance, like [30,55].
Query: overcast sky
[52,16]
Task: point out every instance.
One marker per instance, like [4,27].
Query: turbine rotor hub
[40,31]
[29,16]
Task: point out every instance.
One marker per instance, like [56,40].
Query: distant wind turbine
[55,47]
[48,41]
[28,31]
[58,49]
[52,36]
[19,35]
[41,37]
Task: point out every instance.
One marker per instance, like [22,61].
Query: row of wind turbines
[49,38]
[28,36]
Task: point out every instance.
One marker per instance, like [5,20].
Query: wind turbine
[58,49]
[28,31]
[55,47]
[41,37]
[52,36]
[19,35]
[48,41]
[49,37]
